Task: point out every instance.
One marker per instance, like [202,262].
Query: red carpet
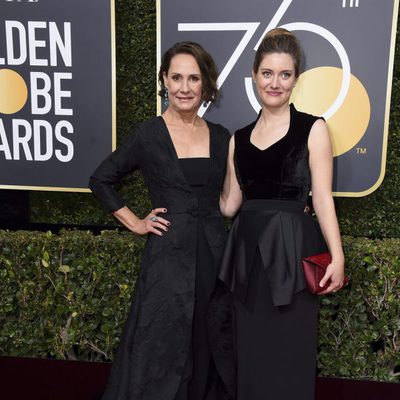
[43,379]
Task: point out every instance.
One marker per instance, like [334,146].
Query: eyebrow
[179,73]
[269,69]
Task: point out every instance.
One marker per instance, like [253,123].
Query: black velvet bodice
[281,171]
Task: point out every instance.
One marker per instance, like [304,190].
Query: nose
[184,86]
[275,82]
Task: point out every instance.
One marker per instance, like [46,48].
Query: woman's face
[275,79]
[184,83]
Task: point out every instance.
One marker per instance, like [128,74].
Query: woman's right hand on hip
[153,223]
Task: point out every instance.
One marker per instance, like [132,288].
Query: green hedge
[67,296]
[360,325]
[377,215]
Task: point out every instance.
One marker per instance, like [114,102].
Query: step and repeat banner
[57,92]
[349,50]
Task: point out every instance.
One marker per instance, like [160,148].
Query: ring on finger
[153,219]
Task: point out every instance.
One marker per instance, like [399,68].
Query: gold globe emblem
[13,91]
[316,91]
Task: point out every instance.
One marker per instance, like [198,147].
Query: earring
[205,103]
[165,100]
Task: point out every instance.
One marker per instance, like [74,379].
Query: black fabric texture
[282,233]
[200,379]
[152,357]
[281,171]
[276,352]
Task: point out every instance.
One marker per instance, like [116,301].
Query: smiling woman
[273,164]
[183,83]
[166,351]
[205,66]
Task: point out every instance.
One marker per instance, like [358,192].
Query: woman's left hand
[335,276]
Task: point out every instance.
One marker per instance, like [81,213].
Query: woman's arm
[231,196]
[124,160]
[321,166]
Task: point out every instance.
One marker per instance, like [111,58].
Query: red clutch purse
[314,268]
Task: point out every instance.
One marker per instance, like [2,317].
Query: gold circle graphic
[315,93]
[13,91]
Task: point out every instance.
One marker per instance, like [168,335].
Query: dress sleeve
[124,160]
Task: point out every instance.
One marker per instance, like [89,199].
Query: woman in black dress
[165,352]
[273,163]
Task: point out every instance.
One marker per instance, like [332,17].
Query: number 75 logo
[347,79]
[343,97]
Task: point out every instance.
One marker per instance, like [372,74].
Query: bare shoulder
[319,127]
[319,135]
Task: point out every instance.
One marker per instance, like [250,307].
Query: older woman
[273,164]
[165,351]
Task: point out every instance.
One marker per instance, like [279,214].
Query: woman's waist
[272,189]
[196,207]
[273,205]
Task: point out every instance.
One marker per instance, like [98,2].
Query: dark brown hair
[279,40]
[205,62]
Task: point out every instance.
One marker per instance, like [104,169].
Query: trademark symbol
[350,3]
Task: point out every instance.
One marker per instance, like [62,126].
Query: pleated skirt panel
[282,233]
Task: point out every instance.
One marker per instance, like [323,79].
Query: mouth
[184,98]
[274,94]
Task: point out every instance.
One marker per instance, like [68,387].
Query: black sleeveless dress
[276,318]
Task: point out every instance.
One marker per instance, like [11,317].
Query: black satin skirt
[275,345]
[275,317]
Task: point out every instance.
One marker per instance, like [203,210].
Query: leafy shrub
[67,296]
[360,325]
